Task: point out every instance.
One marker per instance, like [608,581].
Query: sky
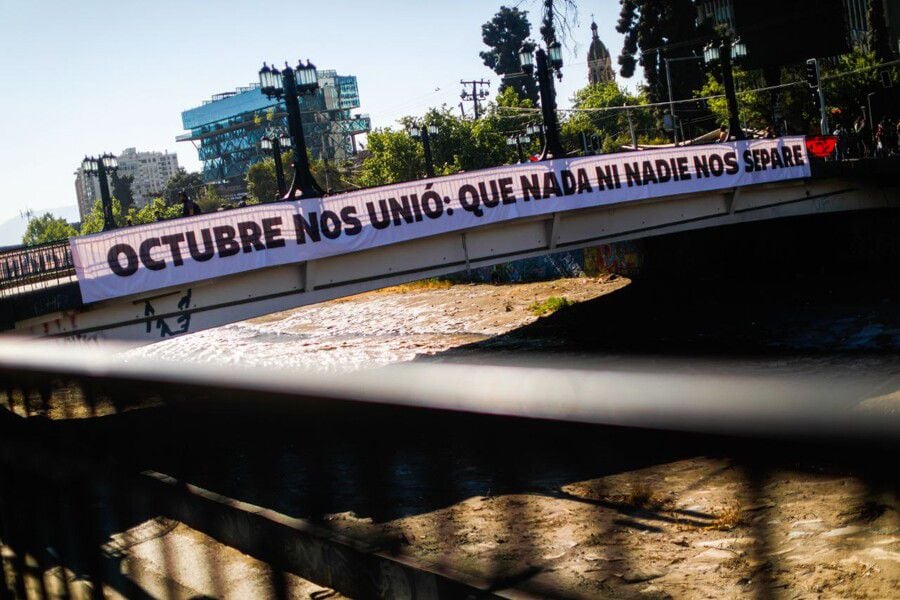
[90,77]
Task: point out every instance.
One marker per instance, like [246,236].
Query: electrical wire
[702,98]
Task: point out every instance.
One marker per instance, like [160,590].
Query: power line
[478,92]
[703,98]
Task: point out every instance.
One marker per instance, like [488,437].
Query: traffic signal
[885,77]
[812,73]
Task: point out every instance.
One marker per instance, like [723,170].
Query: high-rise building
[599,60]
[227,128]
[150,172]
[87,190]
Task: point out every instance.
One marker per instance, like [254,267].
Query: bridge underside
[154,316]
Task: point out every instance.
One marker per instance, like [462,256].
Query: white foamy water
[360,332]
[373,329]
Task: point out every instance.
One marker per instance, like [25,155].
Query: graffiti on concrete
[182,320]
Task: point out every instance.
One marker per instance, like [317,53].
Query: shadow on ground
[385,464]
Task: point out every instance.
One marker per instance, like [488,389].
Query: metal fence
[27,268]
[100,458]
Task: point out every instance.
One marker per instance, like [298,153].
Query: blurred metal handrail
[687,396]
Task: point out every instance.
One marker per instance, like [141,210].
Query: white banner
[169,253]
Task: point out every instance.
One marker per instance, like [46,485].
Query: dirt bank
[697,528]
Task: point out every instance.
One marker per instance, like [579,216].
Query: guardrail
[99,456]
[27,268]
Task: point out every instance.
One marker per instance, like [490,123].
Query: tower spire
[599,60]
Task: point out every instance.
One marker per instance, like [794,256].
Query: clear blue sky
[89,77]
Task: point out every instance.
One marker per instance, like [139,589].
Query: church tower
[599,61]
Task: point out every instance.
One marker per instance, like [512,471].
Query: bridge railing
[28,268]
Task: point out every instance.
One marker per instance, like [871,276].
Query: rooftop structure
[228,127]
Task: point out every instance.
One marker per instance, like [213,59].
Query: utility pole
[631,129]
[675,121]
[815,84]
[478,93]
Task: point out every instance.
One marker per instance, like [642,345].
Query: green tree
[658,29]
[856,76]
[47,228]
[511,115]
[262,185]
[504,35]
[393,156]
[611,126]
[182,181]
[332,175]
[93,221]
[753,107]
[847,83]
[155,210]
[208,199]
[121,189]
[459,144]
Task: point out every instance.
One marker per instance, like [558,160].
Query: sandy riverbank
[680,526]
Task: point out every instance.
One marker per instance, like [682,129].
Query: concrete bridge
[42,296]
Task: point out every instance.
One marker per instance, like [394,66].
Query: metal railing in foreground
[93,446]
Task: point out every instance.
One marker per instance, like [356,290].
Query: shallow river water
[373,329]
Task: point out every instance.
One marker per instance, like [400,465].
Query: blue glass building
[227,128]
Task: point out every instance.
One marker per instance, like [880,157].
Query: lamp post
[518,140]
[290,84]
[874,140]
[102,166]
[724,51]
[543,64]
[671,99]
[536,131]
[424,133]
[275,142]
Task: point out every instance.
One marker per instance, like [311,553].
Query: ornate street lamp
[518,141]
[425,134]
[543,64]
[724,50]
[289,84]
[554,53]
[275,142]
[102,166]
[536,131]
